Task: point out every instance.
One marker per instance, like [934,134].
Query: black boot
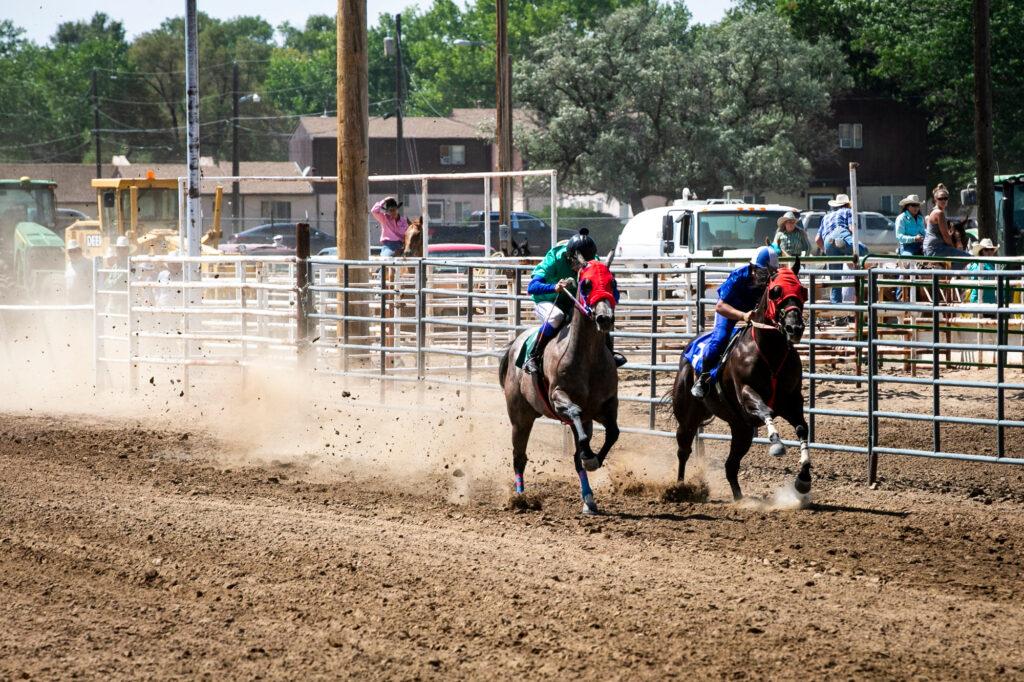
[533,363]
[700,385]
[620,359]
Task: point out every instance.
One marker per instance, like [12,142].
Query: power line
[41,144]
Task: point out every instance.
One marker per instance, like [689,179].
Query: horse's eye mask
[597,283]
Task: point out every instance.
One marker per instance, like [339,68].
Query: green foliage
[643,105]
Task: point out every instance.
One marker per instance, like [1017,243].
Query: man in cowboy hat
[835,237]
[910,226]
[392,226]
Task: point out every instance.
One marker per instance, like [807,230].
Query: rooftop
[475,124]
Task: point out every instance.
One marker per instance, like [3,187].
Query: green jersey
[552,269]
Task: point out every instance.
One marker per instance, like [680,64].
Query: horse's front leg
[567,409]
[754,405]
[609,418]
[586,492]
[795,416]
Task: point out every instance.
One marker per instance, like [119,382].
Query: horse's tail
[503,366]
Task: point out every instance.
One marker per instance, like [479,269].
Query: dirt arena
[159,541]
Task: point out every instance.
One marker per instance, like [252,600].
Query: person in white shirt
[77,275]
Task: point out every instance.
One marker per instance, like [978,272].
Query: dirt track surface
[127,552]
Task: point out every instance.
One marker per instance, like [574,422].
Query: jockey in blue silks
[738,295]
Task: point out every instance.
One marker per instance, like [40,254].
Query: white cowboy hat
[785,217]
[910,199]
[982,245]
[840,200]
[122,242]
[73,244]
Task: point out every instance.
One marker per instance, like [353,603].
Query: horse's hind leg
[742,437]
[693,413]
[757,407]
[610,421]
[520,437]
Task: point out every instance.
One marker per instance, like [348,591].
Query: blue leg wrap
[584,483]
[520,484]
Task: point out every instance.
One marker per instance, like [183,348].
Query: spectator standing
[392,226]
[790,240]
[938,239]
[835,237]
[910,231]
[983,249]
[77,274]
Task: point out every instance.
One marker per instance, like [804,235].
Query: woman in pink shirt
[392,226]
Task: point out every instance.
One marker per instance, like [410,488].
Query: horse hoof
[777,449]
[589,506]
[804,499]
[590,463]
[803,486]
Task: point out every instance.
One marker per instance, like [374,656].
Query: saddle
[540,382]
[694,352]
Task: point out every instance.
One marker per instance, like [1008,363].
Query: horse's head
[597,292]
[413,246]
[785,302]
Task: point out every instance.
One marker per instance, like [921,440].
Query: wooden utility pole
[503,127]
[983,122]
[235,95]
[353,131]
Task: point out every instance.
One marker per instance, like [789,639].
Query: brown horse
[579,384]
[761,378]
[413,247]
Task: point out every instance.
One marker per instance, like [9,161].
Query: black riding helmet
[582,245]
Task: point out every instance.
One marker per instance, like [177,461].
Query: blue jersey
[740,291]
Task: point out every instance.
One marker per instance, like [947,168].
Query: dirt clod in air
[524,502]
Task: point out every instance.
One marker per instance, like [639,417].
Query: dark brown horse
[580,382]
[761,379]
[413,246]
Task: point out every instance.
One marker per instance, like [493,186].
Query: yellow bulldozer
[146,211]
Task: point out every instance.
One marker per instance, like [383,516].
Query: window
[850,136]
[818,202]
[890,204]
[453,155]
[753,199]
[276,211]
[463,209]
[435,209]
[736,230]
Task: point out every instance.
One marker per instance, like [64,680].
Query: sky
[40,18]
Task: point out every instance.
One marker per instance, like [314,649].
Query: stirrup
[532,365]
[699,389]
[620,359]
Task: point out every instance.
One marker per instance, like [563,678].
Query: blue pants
[940,249]
[719,339]
[391,249]
[836,295]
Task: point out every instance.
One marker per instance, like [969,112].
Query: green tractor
[31,253]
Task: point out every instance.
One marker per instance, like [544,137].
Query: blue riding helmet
[765,257]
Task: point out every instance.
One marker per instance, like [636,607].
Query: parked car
[434,251]
[264,234]
[874,230]
[69,216]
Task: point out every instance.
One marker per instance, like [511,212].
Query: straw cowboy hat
[910,199]
[785,218]
[840,200]
[983,245]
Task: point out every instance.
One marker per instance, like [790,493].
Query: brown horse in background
[413,247]
[760,379]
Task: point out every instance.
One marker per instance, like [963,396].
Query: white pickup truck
[700,229]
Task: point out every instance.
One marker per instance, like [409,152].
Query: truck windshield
[33,205]
[735,229]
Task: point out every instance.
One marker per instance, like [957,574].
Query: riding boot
[533,363]
[620,359]
[700,386]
